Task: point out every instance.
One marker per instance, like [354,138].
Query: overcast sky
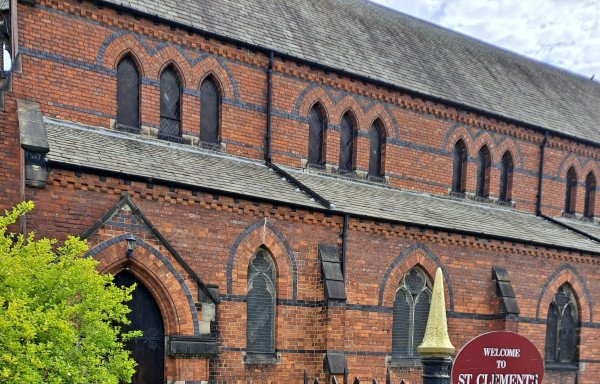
[565,33]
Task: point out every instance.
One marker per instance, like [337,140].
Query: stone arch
[567,273]
[151,267]
[262,234]
[416,254]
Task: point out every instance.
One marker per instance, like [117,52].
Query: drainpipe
[538,206]
[344,242]
[269,96]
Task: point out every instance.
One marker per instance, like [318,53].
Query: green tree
[59,318]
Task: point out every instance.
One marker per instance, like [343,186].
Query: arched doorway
[148,350]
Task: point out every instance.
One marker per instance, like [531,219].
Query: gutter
[384,84]
[344,244]
[538,204]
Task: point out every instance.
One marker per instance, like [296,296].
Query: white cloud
[565,33]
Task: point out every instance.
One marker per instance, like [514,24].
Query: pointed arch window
[590,195]
[459,179]
[347,143]
[571,192]
[317,122]
[506,177]
[128,95]
[260,310]
[377,138]
[210,110]
[411,309]
[170,105]
[483,173]
[562,327]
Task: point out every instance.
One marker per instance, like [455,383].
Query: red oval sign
[498,358]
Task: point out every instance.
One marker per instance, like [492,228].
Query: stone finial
[436,341]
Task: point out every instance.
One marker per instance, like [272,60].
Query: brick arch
[349,103]
[377,111]
[262,234]
[180,67]
[210,67]
[570,160]
[456,132]
[416,254]
[309,97]
[117,46]
[155,271]
[567,273]
[514,149]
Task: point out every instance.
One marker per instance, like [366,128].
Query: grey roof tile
[369,40]
[592,229]
[373,201]
[130,154]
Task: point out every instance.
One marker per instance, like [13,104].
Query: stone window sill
[251,358]
[404,362]
[561,366]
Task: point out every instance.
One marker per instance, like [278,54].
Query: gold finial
[436,341]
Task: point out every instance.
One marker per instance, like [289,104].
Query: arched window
[411,308]
[317,122]
[506,177]
[377,137]
[571,192]
[347,142]
[460,167]
[260,310]
[170,105]
[483,173]
[210,107]
[561,328]
[128,94]
[590,195]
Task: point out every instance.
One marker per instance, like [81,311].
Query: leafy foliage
[59,318]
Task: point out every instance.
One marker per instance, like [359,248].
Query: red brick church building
[283,178]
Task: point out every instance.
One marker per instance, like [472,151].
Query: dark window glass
[571,193]
[590,195]
[411,309]
[561,328]
[210,105]
[347,139]
[483,174]
[128,93]
[316,134]
[506,177]
[460,167]
[260,326]
[377,136]
[170,105]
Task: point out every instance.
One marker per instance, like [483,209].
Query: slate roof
[592,229]
[130,154]
[372,41]
[373,201]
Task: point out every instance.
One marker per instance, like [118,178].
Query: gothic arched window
[590,195]
[317,122]
[377,137]
[260,310]
[411,309]
[506,177]
[210,108]
[128,94]
[459,178]
[347,141]
[483,173]
[561,328]
[571,192]
[170,105]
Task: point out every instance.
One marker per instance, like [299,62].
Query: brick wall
[73,77]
